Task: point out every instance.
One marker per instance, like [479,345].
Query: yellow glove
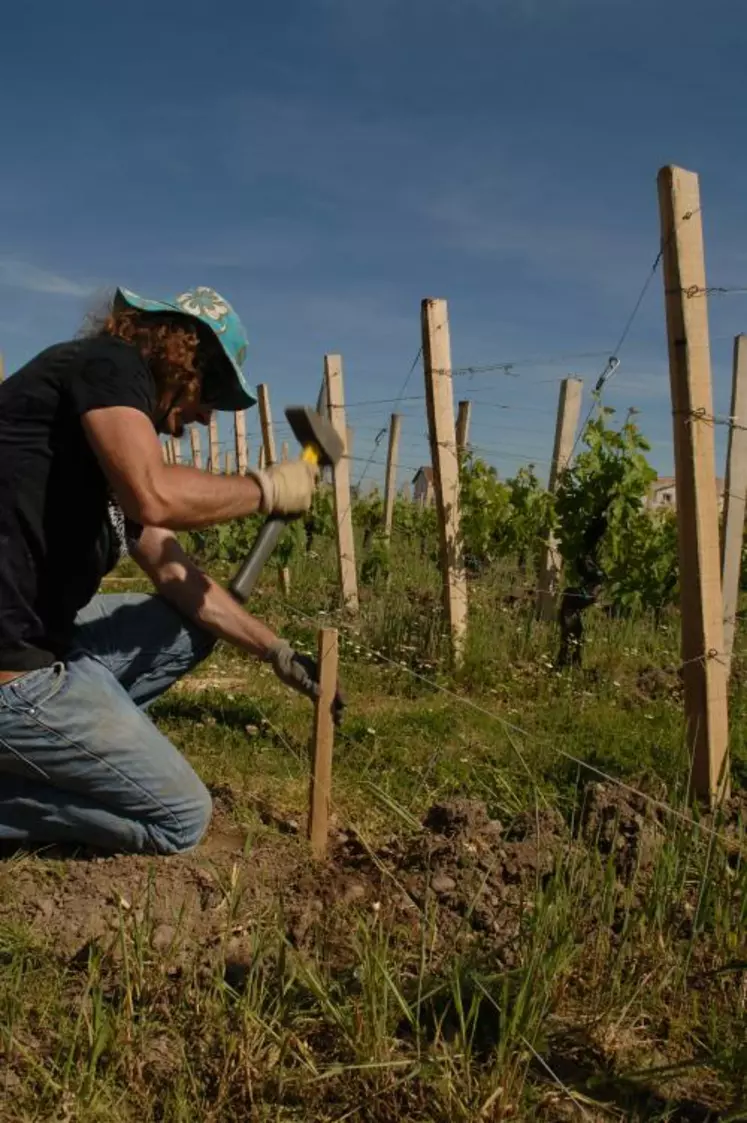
[287,488]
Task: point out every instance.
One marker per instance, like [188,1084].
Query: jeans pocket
[36,688]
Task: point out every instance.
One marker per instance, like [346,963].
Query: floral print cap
[227,387]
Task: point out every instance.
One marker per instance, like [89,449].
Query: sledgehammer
[322,445]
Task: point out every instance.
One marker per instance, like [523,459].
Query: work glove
[287,488]
[302,674]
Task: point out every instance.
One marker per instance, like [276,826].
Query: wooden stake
[176,451]
[322,406]
[261,458]
[735,486]
[214,445]
[242,452]
[440,404]
[284,451]
[341,480]
[228,464]
[265,420]
[392,457]
[2,368]
[167,451]
[704,669]
[462,427]
[320,787]
[322,402]
[194,440]
[285,580]
[548,571]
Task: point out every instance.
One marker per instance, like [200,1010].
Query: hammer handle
[245,578]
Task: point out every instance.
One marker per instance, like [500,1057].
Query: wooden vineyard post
[167,451]
[242,452]
[284,574]
[283,570]
[176,451]
[735,486]
[341,481]
[322,406]
[2,368]
[265,421]
[228,464]
[548,571]
[261,457]
[322,401]
[440,405]
[704,668]
[390,485]
[320,787]
[464,415]
[196,446]
[213,445]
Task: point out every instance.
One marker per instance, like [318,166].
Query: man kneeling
[82,483]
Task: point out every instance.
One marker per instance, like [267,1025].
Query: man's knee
[184,827]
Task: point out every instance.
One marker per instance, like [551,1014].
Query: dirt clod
[442,883]
[163,937]
[458,817]
[621,824]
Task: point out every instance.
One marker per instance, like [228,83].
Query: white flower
[203,302]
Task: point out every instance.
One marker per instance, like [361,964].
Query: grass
[604,981]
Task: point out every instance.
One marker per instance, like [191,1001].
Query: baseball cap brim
[224,387]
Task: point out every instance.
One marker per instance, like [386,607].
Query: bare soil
[480,875]
[475,876]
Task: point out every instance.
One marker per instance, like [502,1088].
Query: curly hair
[170,344]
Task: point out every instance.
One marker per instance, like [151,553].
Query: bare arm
[157,494]
[202,600]
[196,595]
[179,497]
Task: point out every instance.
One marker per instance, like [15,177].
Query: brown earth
[474,875]
[481,875]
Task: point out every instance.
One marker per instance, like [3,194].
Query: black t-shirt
[61,530]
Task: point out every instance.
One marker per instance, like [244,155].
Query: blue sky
[328,163]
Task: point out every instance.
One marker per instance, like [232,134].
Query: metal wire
[513,728]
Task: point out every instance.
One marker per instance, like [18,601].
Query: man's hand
[288,488]
[302,674]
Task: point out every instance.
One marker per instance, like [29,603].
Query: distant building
[663,493]
[422,486]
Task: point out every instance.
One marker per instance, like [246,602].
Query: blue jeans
[80,760]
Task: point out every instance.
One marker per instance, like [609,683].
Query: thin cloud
[25,277]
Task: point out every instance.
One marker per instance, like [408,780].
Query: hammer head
[310,428]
